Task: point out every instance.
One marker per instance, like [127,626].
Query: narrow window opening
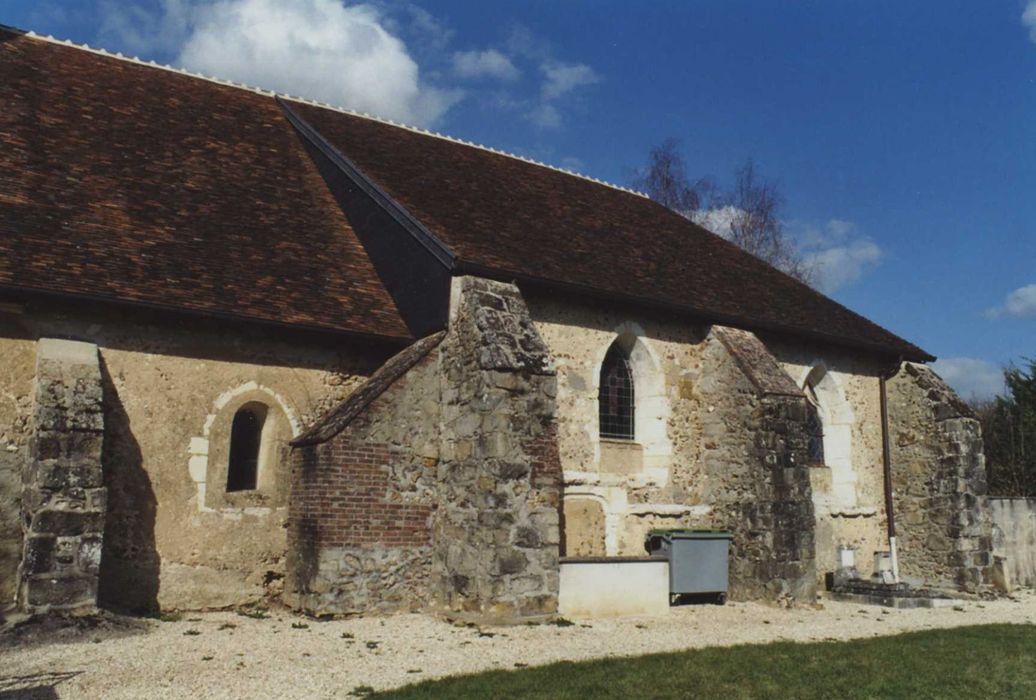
[814,428]
[616,395]
[246,434]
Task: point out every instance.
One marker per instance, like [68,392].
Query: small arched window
[615,397]
[246,434]
[814,428]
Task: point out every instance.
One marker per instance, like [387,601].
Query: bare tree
[748,215]
[664,179]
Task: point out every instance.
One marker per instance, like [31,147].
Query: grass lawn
[989,661]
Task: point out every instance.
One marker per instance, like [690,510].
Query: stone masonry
[497,535]
[943,522]
[364,492]
[64,500]
[755,446]
[436,485]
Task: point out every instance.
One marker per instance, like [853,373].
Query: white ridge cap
[324,105]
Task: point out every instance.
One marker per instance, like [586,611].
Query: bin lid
[686,534]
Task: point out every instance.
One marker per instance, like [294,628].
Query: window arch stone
[650,452]
[836,417]
[210,453]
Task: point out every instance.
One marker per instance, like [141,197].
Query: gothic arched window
[814,428]
[616,395]
[246,433]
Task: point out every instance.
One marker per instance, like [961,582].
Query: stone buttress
[64,499]
[436,485]
[943,520]
[756,464]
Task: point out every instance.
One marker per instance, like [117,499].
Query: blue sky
[903,135]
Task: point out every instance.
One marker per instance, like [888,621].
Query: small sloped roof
[125,182]
[336,420]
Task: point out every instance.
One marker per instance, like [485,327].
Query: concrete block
[600,588]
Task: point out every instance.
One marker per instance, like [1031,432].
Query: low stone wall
[64,500]
[944,527]
[1014,538]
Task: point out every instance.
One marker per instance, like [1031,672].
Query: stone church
[256,348]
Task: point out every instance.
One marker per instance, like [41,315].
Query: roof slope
[515,217]
[125,182]
[133,183]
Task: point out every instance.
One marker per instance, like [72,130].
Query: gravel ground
[225,654]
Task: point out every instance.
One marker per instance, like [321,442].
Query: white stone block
[602,588]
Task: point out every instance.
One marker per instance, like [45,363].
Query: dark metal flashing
[464,267]
[397,211]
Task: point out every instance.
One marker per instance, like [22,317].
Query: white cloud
[138,30]
[574,164]
[325,50]
[838,266]
[836,253]
[718,220]
[839,228]
[559,81]
[386,57]
[970,377]
[1029,19]
[315,48]
[545,116]
[1021,303]
[562,78]
[484,64]
[425,29]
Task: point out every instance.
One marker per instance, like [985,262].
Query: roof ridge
[118,55]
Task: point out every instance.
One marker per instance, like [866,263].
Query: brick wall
[363,499]
[352,499]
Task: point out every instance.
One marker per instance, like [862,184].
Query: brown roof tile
[127,182]
[137,184]
[518,218]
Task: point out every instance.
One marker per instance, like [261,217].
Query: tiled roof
[510,217]
[121,181]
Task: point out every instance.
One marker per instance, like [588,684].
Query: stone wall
[943,522]
[64,500]
[848,490]
[436,485]
[364,492]
[1014,540]
[615,492]
[724,435]
[17,373]
[756,471]
[497,534]
[170,385]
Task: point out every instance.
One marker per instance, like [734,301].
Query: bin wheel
[721,599]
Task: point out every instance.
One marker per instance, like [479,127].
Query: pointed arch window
[615,397]
[814,428]
[246,435]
